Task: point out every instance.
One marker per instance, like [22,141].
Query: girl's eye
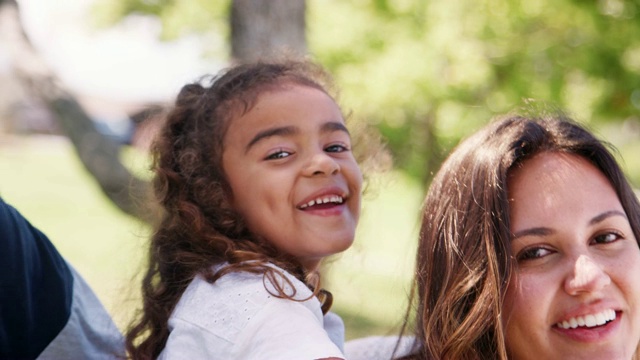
[280,154]
[336,148]
[532,253]
[606,238]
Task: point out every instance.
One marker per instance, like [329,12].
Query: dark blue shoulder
[36,287]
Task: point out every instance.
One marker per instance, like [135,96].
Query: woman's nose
[321,164]
[587,276]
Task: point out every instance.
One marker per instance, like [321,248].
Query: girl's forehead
[245,101]
[298,107]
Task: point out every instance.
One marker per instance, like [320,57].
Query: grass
[43,179]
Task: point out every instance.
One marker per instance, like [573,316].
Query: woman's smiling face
[576,291]
[292,174]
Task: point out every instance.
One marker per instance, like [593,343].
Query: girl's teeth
[336,199]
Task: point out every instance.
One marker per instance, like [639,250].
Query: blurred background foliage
[427,73]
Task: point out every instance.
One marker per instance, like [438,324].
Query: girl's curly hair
[199,229]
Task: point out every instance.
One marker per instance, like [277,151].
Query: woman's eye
[606,238]
[280,154]
[533,253]
[336,148]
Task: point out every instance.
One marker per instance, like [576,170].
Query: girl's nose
[587,276]
[321,164]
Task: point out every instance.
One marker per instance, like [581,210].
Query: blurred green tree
[427,73]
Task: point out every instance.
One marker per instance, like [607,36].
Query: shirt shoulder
[230,314]
[90,333]
[36,287]
[225,307]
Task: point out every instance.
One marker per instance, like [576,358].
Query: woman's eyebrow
[607,214]
[542,231]
[536,231]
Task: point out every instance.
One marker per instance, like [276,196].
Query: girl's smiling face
[576,291]
[292,174]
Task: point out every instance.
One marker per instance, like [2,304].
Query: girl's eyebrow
[329,126]
[277,131]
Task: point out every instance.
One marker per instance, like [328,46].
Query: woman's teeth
[589,321]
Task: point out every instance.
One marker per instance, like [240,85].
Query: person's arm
[36,287]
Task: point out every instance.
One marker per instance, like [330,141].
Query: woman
[529,248]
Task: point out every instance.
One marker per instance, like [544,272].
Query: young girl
[258,184]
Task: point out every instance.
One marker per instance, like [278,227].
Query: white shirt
[238,318]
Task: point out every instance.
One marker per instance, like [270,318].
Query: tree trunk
[264,28]
[98,154]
